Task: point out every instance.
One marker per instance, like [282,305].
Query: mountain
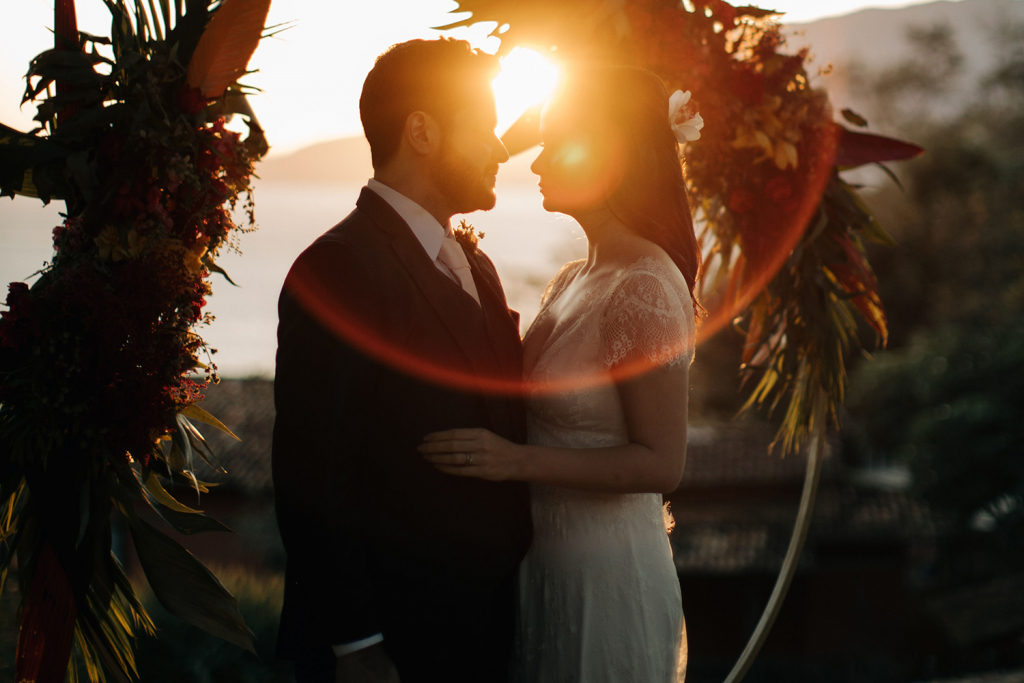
[347,160]
[869,39]
[337,161]
[872,39]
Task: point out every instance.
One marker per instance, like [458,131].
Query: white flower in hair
[684,119]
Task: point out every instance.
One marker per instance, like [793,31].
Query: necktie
[452,256]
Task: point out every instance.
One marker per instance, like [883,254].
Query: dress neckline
[646,262]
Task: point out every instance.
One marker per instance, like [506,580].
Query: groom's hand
[369,665]
[474,453]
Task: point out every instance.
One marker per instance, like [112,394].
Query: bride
[606,367]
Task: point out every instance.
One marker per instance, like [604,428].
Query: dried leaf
[226,45]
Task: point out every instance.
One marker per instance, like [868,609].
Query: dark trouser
[316,667]
[452,641]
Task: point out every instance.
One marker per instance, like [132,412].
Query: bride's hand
[474,453]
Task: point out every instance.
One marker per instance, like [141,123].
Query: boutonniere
[467,236]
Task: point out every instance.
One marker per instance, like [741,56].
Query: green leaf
[756,12]
[200,415]
[217,269]
[189,523]
[153,485]
[892,176]
[200,446]
[187,589]
[854,118]
[84,504]
[20,154]
[180,438]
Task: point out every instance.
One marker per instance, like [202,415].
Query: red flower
[748,86]
[16,324]
[742,200]
[778,189]
[724,12]
[18,300]
[110,147]
[191,100]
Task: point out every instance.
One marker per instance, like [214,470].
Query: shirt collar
[428,231]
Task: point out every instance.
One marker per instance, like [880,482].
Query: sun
[527,78]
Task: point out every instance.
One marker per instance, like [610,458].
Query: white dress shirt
[428,231]
[431,236]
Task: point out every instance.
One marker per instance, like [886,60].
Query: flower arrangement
[100,360]
[781,230]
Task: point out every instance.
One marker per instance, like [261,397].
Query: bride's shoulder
[649,264]
[565,274]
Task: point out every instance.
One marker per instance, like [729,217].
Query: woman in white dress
[606,366]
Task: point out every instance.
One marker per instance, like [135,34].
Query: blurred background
[914,566]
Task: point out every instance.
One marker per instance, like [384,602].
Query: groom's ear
[422,133]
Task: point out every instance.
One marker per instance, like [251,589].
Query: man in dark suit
[391,329]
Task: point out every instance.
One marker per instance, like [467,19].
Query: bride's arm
[654,404]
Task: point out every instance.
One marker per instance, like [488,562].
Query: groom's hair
[438,77]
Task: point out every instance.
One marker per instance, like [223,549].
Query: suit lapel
[456,314]
[501,328]
[503,332]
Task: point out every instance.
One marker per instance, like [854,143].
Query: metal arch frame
[796,543]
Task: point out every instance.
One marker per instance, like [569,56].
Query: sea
[527,244]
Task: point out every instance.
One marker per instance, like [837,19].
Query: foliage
[186,654]
[949,405]
[783,231]
[961,224]
[946,401]
[97,357]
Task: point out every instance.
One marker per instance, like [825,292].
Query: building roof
[752,535]
[722,526]
[737,454]
[726,454]
[980,612]
[246,407]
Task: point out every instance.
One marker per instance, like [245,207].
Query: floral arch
[98,357]
[782,231]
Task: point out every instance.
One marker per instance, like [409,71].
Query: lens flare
[751,273]
[527,78]
[413,356]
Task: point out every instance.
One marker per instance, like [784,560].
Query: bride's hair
[651,197]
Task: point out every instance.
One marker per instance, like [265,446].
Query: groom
[394,569]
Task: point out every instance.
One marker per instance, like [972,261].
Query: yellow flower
[785,155]
[109,244]
[194,256]
[107,241]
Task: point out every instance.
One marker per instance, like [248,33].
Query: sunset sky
[312,73]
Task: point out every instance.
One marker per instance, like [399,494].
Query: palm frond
[226,45]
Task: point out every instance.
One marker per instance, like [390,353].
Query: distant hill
[871,38]
[875,38]
[334,161]
[347,160]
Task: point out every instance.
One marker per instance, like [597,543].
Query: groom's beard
[467,187]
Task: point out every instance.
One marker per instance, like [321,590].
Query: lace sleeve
[647,318]
[559,280]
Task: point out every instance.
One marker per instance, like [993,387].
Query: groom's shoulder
[348,262]
[352,242]
[356,232]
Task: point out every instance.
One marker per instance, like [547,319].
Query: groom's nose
[498,151]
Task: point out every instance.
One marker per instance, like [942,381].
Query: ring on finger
[468,458]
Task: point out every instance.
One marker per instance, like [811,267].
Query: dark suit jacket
[377,539]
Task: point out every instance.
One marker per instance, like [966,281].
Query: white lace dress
[599,596]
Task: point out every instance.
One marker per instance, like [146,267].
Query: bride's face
[580,163]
